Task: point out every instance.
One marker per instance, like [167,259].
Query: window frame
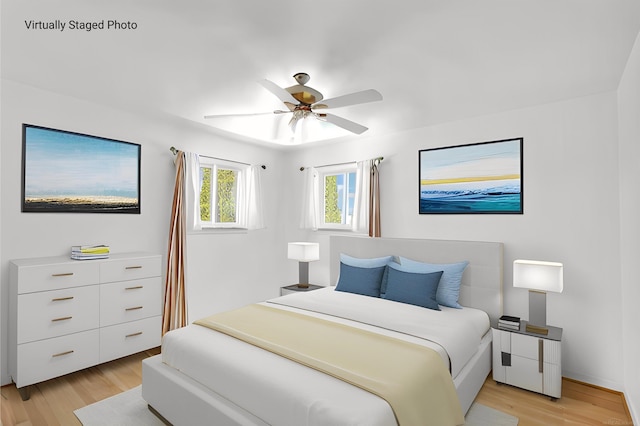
[215,165]
[323,173]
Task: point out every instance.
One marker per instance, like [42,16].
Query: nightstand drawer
[46,359]
[55,313]
[130,269]
[130,300]
[525,346]
[524,373]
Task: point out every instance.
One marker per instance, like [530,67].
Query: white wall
[571,207]
[629,134]
[49,234]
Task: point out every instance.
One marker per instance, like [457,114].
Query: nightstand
[294,289]
[528,360]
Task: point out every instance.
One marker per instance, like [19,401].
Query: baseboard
[605,389]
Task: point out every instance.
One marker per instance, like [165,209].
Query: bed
[206,374]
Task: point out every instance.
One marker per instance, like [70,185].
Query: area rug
[129,409]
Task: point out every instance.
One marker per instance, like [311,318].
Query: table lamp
[539,277]
[303,253]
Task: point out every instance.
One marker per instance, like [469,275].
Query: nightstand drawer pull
[134,288]
[134,334]
[62,354]
[60,299]
[61,319]
[133,267]
[133,309]
[540,356]
[64,274]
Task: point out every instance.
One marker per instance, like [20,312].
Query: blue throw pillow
[364,281]
[412,287]
[449,287]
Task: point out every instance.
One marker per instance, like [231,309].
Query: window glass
[226,195]
[219,195]
[338,189]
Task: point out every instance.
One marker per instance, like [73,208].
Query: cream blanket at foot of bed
[411,378]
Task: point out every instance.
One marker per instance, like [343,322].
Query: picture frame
[478,178]
[69,172]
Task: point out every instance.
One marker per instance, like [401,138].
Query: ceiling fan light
[301,77]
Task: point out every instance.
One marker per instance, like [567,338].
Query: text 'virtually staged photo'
[477,178]
[65,171]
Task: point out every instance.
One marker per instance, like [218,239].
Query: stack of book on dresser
[507,322]
[89,252]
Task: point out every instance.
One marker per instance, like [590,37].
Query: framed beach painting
[65,171]
[480,178]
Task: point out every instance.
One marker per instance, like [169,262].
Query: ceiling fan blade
[362,97]
[343,122]
[278,111]
[280,93]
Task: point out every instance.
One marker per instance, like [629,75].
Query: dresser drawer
[50,314]
[130,269]
[54,276]
[121,340]
[130,300]
[46,359]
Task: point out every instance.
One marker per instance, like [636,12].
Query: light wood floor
[53,402]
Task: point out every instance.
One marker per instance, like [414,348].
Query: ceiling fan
[303,102]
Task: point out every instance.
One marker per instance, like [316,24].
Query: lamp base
[537,329]
[303,285]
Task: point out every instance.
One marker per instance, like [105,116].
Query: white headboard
[482,279]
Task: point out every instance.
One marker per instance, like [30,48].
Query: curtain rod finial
[173,150]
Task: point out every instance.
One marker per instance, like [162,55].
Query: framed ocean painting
[72,172]
[477,178]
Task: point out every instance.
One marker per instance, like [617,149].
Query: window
[337,196]
[219,194]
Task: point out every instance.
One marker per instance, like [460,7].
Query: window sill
[205,231]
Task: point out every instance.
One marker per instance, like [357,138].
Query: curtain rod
[377,159]
[175,151]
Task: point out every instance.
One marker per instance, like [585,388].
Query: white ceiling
[432,60]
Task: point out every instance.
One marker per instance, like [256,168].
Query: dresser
[528,360]
[66,315]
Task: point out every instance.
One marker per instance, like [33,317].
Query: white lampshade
[538,275]
[303,252]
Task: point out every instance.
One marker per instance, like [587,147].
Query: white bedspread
[282,392]
[456,332]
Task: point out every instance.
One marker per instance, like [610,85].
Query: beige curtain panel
[175,306]
[374,200]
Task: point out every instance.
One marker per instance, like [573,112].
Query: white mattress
[280,391]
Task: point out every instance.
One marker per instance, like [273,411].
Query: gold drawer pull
[62,354]
[64,274]
[60,299]
[134,334]
[134,288]
[133,309]
[133,267]
[61,319]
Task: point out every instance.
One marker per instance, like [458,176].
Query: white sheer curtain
[251,215]
[360,218]
[192,190]
[310,200]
